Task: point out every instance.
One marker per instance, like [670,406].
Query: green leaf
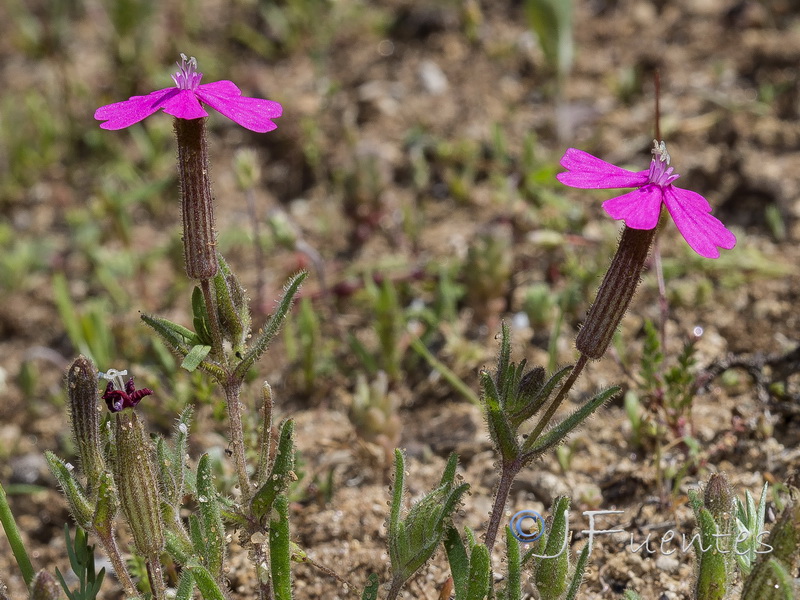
[397,503]
[551,572]
[209,588]
[171,332]
[79,505]
[106,506]
[500,430]
[279,476]
[514,579]
[202,326]
[210,518]
[15,539]
[577,576]
[185,586]
[459,561]
[234,315]
[270,330]
[280,550]
[195,356]
[196,535]
[480,573]
[371,589]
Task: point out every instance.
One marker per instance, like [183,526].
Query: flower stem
[213,319]
[234,409]
[562,393]
[155,573]
[120,569]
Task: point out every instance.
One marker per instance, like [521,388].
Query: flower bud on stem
[85,419]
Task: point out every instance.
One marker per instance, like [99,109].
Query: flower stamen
[188,77]
[115,378]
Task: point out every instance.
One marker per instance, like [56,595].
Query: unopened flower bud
[197,201]
[719,497]
[616,292]
[45,587]
[136,484]
[85,418]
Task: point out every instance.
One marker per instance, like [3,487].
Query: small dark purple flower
[118,399]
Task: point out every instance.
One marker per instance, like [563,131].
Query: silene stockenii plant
[123,474]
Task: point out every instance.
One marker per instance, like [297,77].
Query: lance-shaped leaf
[280,550]
[205,582]
[480,573]
[195,357]
[202,324]
[177,544]
[534,448]
[80,506]
[514,564]
[182,341]
[270,330]
[106,506]
[551,576]
[577,576]
[470,566]
[211,520]
[178,338]
[234,315]
[185,586]
[371,589]
[280,475]
[458,559]
[172,461]
[503,436]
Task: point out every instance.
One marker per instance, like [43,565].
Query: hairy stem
[213,319]
[120,569]
[155,573]
[237,438]
[508,473]
[562,393]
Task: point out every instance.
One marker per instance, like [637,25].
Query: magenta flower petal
[184,105]
[703,232]
[124,114]
[640,208]
[589,172]
[184,102]
[253,113]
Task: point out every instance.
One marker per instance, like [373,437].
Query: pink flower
[641,208]
[183,101]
